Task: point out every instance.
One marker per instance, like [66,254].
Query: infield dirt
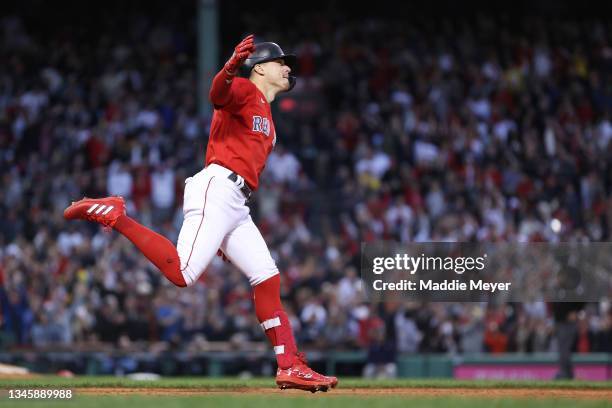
[367,392]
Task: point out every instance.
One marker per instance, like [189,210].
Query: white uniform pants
[216,217]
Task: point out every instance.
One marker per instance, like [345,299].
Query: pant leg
[566,334]
[211,209]
[246,249]
[390,370]
[369,370]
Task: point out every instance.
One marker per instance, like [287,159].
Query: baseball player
[216,217]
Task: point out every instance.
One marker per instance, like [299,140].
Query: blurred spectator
[381,358]
[282,165]
[120,180]
[490,136]
[49,332]
[162,192]
[408,335]
[495,341]
[16,315]
[566,330]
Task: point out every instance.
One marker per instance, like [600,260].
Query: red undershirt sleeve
[222,89]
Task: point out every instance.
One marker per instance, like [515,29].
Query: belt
[240,183]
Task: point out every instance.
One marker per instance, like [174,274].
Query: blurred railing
[260,361]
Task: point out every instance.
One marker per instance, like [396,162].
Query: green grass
[308,401]
[232,383]
[293,400]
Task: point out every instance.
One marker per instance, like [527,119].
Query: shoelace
[301,357]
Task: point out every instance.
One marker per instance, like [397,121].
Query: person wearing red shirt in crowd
[216,217]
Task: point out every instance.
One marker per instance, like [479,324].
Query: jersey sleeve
[228,92]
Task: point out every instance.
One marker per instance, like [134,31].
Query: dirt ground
[422,392]
[18,376]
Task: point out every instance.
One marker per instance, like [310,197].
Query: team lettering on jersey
[261,125]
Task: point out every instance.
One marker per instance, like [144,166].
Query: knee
[186,277]
[185,280]
[265,275]
[176,275]
[181,284]
[180,281]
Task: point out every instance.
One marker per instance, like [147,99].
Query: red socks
[274,320]
[162,253]
[267,298]
[158,249]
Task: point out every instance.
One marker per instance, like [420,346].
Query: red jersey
[242,133]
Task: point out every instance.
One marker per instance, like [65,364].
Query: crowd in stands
[480,129]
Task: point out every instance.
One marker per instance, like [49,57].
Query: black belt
[245,189]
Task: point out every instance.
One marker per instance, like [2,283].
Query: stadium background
[408,123]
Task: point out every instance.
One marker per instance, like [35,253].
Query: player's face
[277,73]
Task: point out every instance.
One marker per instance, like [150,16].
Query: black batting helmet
[269,51]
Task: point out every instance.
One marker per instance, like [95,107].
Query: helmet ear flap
[292,80]
[247,71]
[244,71]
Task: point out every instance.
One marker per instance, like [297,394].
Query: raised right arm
[221,90]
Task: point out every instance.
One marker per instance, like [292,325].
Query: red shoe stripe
[199,226]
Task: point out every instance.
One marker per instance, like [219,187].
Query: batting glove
[241,53]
